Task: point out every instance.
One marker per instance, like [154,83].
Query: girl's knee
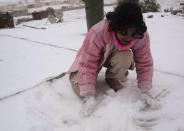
[123,59]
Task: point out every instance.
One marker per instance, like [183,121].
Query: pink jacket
[95,50]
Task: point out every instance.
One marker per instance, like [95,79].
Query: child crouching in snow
[118,43]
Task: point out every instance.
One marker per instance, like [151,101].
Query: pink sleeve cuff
[145,85]
[87,90]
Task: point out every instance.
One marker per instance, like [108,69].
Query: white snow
[29,56]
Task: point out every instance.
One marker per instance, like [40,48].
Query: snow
[28,57]
[169,29]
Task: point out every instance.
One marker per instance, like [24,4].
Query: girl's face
[126,36]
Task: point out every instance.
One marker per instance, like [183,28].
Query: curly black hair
[127,15]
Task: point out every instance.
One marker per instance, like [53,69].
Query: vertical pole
[94,12]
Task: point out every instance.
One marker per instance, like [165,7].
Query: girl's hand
[149,101]
[88,106]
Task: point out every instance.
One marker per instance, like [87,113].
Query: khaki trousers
[118,64]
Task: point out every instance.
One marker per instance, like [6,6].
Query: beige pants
[117,66]
[75,86]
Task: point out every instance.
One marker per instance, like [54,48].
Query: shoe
[114,83]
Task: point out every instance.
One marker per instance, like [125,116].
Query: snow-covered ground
[29,56]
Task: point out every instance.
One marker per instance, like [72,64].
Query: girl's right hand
[88,106]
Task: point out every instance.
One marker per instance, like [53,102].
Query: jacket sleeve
[144,64]
[90,56]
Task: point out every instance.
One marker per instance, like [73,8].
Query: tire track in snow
[38,42]
[169,73]
[56,46]
[48,44]
[49,80]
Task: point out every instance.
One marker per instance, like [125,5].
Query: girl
[118,43]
